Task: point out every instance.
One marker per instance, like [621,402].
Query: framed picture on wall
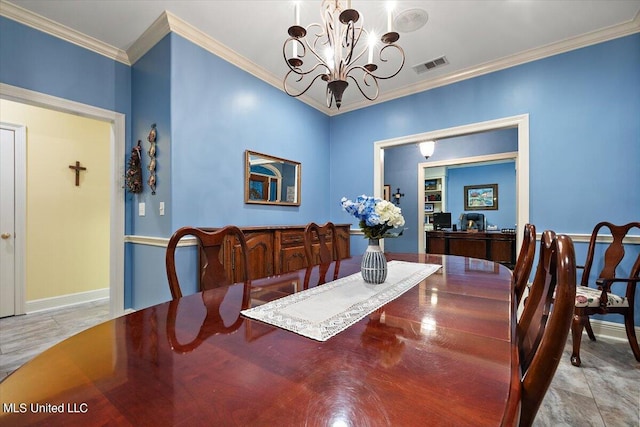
[386,193]
[481,197]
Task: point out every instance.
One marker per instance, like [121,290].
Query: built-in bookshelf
[434,194]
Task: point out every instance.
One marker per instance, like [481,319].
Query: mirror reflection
[271,180]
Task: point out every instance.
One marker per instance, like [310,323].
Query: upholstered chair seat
[589,297]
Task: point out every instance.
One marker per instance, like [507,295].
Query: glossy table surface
[440,354]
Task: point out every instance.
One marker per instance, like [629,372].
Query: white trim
[520,122]
[20,207]
[60,301]
[168,22]
[46,25]
[602,328]
[604,238]
[117,120]
[20,214]
[476,159]
[190,241]
[149,38]
[158,241]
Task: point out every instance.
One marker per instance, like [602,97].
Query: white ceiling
[476,36]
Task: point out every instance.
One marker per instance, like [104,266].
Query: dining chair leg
[577,325]
[587,326]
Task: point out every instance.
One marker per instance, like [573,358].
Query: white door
[7,222]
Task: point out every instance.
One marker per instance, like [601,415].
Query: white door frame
[520,122]
[117,148]
[20,209]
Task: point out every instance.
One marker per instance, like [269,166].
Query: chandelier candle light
[331,51]
[377,220]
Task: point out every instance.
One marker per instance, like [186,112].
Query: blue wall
[218,112]
[503,174]
[151,101]
[584,134]
[46,64]
[208,112]
[37,61]
[582,112]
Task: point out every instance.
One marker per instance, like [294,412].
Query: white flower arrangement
[376,216]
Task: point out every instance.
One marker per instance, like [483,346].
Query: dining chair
[327,252]
[590,301]
[211,247]
[524,264]
[544,325]
[327,246]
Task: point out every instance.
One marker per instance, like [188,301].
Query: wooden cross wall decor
[77,168]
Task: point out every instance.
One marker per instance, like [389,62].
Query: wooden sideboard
[493,246]
[277,250]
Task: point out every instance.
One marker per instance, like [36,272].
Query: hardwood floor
[604,391]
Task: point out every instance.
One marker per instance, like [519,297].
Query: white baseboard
[36,305]
[602,328]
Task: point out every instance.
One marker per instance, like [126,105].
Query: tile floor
[605,391]
[23,337]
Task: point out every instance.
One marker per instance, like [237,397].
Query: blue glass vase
[374,263]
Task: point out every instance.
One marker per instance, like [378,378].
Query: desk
[493,246]
[442,353]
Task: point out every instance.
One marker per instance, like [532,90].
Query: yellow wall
[67,226]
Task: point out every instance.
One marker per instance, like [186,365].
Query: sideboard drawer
[293,238]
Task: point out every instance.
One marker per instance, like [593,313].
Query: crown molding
[33,20]
[595,37]
[168,22]
[149,38]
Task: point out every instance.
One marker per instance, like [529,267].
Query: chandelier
[332,51]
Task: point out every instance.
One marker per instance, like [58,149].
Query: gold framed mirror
[271,180]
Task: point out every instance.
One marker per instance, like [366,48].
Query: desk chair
[211,246]
[602,300]
[544,325]
[524,264]
[472,221]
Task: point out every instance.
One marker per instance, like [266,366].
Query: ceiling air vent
[430,65]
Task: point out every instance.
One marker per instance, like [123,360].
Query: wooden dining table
[442,353]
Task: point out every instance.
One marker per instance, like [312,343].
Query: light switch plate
[161,208]
[141,209]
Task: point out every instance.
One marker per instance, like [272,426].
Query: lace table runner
[324,311]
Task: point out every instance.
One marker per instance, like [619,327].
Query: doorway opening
[521,123]
[116,190]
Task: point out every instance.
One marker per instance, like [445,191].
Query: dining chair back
[326,236]
[601,300]
[545,322]
[212,245]
[524,264]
